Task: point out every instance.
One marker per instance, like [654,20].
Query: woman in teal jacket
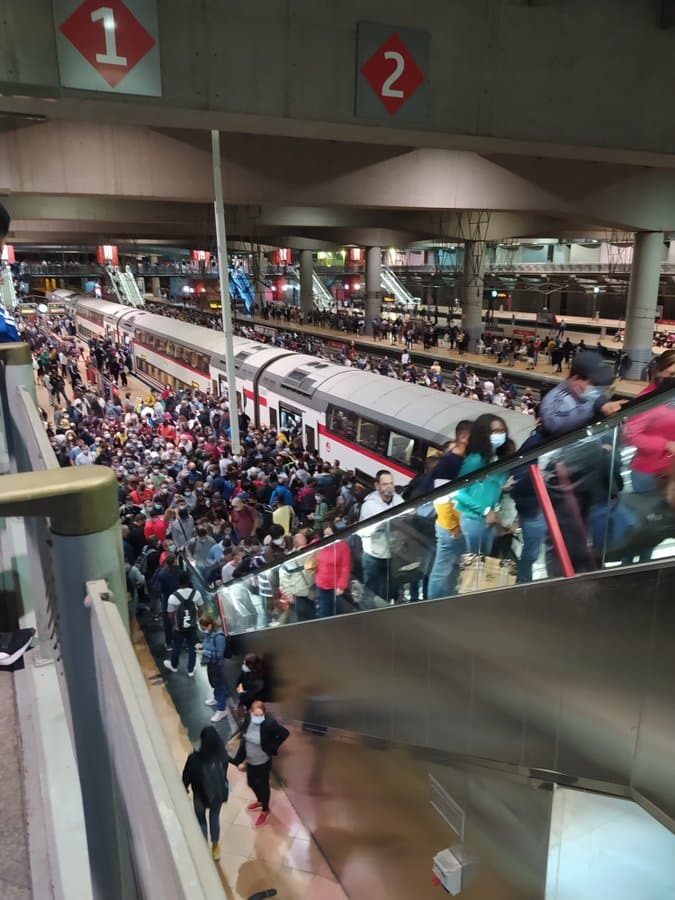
[489,442]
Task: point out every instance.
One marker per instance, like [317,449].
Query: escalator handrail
[638,405]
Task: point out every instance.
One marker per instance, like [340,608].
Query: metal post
[86,537]
[221,239]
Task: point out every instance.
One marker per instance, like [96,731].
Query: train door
[290,420]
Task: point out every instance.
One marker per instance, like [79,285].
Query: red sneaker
[253,806]
[261,820]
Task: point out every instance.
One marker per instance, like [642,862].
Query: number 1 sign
[108,45]
[392,73]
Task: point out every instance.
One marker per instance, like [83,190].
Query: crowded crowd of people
[187,495]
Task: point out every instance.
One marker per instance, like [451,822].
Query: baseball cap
[589,364]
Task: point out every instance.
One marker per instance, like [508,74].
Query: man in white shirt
[183,608]
[375,540]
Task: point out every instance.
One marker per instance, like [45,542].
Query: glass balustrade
[597,498]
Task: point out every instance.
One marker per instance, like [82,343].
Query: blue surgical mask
[497,439]
[257,720]
[245,668]
[592,393]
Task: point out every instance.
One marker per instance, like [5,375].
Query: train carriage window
[342,422]
[400,447]
[369,436]
[170,348]
[273,418]
[160,345]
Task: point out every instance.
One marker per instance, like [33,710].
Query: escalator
[124,286]
[241,288]
[420,723]
[323,299]
[393,286]
[8,297]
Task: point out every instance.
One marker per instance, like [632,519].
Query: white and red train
[366,421]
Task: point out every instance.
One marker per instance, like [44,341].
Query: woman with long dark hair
[205,772]
[488,442]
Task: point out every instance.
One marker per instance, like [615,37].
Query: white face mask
[257,720]
[245,668]
[497,439]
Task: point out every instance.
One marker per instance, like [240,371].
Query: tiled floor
[283,854]
[14,866]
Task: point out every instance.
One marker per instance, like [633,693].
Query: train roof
[431,413]
[435,412]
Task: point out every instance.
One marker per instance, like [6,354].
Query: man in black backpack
[183,610]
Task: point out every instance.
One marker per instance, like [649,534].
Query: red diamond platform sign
[110,37]
[393,73]
[108,45]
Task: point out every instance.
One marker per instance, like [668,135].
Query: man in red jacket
[243,518]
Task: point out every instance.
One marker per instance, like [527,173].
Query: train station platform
[337,340]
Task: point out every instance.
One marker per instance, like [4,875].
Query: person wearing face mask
[376,545]
[251,681]
[488,442]
[261,738]
[580,399]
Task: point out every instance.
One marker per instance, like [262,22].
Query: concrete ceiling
[71,182]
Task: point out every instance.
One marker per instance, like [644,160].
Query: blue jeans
[376,575]
[533,530]
[478,535]
[332,604]
[643,483]
[189,639]
[215,672]
[214,819]
[444,572]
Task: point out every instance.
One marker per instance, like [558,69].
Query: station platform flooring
[543,371]
[15,878]
[283,854]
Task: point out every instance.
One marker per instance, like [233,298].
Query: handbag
[233,744]
[484,573]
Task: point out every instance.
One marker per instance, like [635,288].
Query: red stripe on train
[382,460]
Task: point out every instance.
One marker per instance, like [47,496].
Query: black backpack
[186,614]
[142,561]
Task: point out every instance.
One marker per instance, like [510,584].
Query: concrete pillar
[306,286]
[259,271]
[373,284]
[643,295]
[472,300]
[154,282]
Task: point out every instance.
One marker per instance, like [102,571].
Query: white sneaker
[167,665]
[211,702]
[191,674]
[219,715]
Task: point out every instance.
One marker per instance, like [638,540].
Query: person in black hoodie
[261,737]
[205,772]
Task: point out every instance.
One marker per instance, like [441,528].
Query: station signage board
[392,73]
[108,45]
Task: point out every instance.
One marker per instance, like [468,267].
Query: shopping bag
[484,573]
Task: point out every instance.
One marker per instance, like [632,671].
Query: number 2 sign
[392,73]
[108,45]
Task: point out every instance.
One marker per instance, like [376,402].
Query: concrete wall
[571,72]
